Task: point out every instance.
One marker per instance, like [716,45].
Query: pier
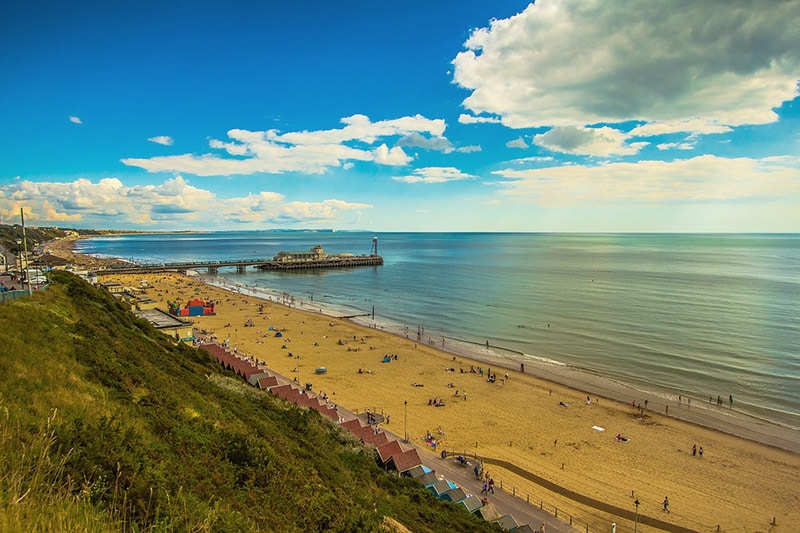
[313,259]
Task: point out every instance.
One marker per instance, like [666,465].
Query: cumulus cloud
[676,146]
[688,66]
[469,149]
[699,179]
[694,125]
[464,118]
[174,202]
[519,142]
[601,142]
[75,120]
[308,152]
[533,159]
[415,140]
[434,175]
[395,156]
[165,140]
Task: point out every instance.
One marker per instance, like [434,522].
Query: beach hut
[507,522]
[405,461]
[428,479]
[330,412]
[281,391]
[471,503]
[363,432]
[253,379]
[453,495]
[267,382]
[376,439]
[440,487]
[488,512]
[417,471]
[352,425]
[389,449]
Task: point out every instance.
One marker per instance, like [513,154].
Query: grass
[107,425]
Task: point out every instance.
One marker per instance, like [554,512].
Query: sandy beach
[554,431]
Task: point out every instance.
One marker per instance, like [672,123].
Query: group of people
[436,403]
[696,450]
[488,483]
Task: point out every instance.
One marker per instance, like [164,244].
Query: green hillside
[106,425]
[10,234]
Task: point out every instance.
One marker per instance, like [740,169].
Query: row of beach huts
[390,453]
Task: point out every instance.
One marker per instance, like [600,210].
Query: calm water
[699,315]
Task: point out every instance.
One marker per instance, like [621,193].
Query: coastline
[531,420]
[725,419]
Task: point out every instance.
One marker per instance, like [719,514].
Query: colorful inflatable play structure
[194,307]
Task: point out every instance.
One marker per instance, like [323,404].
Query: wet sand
[736,483]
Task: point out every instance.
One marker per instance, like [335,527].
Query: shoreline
[540,426]
[719,418]
[538,421]
[706,415]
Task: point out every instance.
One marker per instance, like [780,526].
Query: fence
[7,296]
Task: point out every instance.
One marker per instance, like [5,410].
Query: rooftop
[160,319]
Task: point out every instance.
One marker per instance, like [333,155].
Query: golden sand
[737,484]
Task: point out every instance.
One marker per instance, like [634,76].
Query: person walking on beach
[666,504]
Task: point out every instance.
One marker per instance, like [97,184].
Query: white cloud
[309,152]
[582,62]
[519,142]
[533,159]
[601,142]
[415,140]
[434,175]
[694,125]
[176,203]
[676,146]
[464,118]
[699,179]
[396,156]
[469,149]
[75,120]
[166,140]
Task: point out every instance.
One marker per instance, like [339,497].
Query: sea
[703,316]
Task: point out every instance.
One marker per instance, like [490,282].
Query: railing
[8,296]
[582,499]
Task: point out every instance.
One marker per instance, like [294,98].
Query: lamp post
[405,420]
[25,245]
[19,253]
[636,517]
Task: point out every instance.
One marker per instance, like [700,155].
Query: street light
[636,517]
[19,252]
[405,419]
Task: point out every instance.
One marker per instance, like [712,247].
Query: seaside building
[316,253]
[113,287]
[179,330]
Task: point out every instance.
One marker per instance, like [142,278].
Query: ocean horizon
[703,316]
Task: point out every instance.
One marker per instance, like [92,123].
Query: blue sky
[571,115]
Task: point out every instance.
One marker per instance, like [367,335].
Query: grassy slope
[106,425]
